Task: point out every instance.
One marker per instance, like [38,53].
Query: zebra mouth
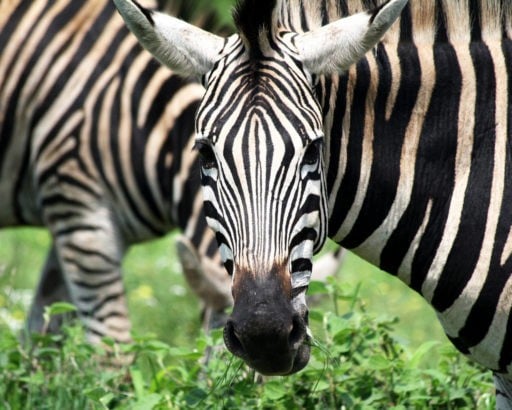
[268,357]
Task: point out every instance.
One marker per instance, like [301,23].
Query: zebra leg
[90,252]
[51,288]
[503,392]
[209,281]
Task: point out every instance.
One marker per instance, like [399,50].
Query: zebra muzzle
[265,329]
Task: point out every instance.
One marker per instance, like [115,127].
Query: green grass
[161,303]
[378,345]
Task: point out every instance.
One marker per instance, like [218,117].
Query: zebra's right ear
[335,46]
[182,47]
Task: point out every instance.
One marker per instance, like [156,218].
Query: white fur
[177,44]
[336,46]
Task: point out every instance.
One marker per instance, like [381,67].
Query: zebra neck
[416,159]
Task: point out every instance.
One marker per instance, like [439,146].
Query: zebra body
[416,164]
[96,145]
[428,199]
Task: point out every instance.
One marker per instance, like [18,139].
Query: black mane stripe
[251,17]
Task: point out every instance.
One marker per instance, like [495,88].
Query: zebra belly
[482,335]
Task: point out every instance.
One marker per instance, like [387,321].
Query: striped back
[95,144]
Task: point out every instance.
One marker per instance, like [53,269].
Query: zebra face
[259,133]
[264,196]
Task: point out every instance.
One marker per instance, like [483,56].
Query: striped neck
[421,138]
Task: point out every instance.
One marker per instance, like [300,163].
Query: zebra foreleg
[503,392]
[90,252]
[51,288]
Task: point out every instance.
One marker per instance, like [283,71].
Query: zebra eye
[208,160]
[312,154]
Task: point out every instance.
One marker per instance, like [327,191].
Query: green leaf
[316,315]
[195,396]
[379,362]
[336,324]
[321,385]
[59,308]
[184,353]
[106,399]
[137,381]
[317,288]
[274,390]
[147,402]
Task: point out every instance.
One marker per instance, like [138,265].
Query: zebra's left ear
[335,46]
[177,44]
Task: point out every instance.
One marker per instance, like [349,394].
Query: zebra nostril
[232,341]
[297,332]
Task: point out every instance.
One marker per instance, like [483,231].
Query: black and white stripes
[249,200]
[96,144]
[416,138]
[419,167]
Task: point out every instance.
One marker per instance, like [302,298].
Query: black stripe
[60,198]
[12,24]
[139,137]
[210,211]
[476,20]
[434,173]
[184,129]
[459,344]
[71,229]
[9,107]
[73,62]
[406,28]
[92,253]
[90,271]
[12,105]
[310,204]
[349,184]
[302,264]
[435,164]
[387,143]
[335,143]
[441,31]
[52,217]
[303,235]
[229,267]
[98,306]
[465,252]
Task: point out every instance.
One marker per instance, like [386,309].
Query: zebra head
[260,136]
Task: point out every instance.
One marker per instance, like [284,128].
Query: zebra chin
[268,329]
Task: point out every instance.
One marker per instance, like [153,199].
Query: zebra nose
[232,340]
[268,346]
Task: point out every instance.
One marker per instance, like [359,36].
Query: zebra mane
[422,22]
[253,18]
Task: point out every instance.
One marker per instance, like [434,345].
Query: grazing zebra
[404,157]
[96,144]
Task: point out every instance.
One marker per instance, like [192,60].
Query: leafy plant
[356,363]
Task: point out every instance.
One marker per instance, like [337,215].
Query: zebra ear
[180,46]
[335,46]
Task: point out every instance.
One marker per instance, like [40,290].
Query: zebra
[96,145]
[328,119]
